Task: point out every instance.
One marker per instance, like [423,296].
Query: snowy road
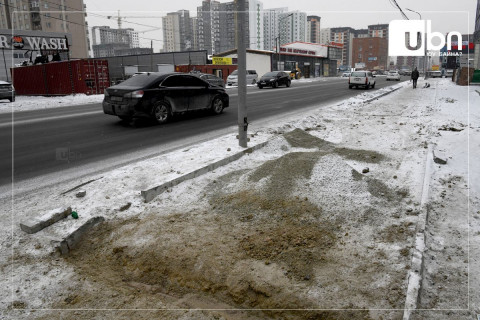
[74,141]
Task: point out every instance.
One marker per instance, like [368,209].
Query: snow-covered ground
[28,103]
[402,127]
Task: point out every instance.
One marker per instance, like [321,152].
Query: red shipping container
[88,76]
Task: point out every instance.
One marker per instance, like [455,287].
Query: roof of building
[226,53]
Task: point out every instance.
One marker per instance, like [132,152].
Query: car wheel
[274,85]
[350,87]
[289,83]
[162,112]
[260,87]
[12,99]
[367,86]
[125,118]
[217,105]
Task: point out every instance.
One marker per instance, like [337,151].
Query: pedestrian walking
[415,75]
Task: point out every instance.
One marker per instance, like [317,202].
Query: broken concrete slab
[439,158]
[68,243]
[36,224]
[81,194]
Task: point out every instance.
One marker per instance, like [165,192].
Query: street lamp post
[425,40]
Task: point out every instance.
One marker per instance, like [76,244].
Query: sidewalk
[325,216]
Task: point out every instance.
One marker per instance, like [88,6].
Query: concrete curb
[382,95]
[149,194]
[415,274]
[36,224]
[69,242]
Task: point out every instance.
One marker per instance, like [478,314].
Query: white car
[346,74]
[252,77]
[361,79]
[393,75]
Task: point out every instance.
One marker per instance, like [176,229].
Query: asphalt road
[52,140]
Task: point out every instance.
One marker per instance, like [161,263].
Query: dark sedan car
[210,78]
[160,96]
[274,79]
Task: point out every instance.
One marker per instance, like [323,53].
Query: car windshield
[234,73]
[358,74]
[141,80]
[270,74]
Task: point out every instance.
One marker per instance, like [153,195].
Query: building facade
[208,27]
[344,35]
[62,16]
[106,40]
[378,31]
[371,51]
[292,26]
[325,36]
[313,29]
[171,32]
[255,25]
[270,27]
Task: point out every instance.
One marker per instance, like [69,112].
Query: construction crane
[120,18]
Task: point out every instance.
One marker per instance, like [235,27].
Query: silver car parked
[252,77]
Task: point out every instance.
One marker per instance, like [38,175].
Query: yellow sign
[435,67]
[221,60]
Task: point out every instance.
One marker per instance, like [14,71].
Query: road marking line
[20,122]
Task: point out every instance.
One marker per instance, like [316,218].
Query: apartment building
[177,31]
[62,16]
[325,36]
[372,51]
[292,26]
[344,36]
[106,40]
[313,29]
[270,27]
[208,15]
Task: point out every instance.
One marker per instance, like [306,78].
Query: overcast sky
[458,15]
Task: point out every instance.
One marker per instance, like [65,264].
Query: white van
[252,77]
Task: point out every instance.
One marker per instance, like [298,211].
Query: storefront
[311,59]
[22,47]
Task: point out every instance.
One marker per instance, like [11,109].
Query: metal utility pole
[242,74]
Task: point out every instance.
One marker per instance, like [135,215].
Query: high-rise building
[270,27]
[325,36]
[177,31]
[64,16]
[208,16]
[255,25]
[292,26]
[313,29]
[344,35]
[378,31]
[194,24]
[171,32]
[106,41]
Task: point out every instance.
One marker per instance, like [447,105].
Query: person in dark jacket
[415,75]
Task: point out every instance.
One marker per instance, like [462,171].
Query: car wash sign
[33,42]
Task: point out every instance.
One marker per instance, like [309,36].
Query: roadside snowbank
[28,103]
